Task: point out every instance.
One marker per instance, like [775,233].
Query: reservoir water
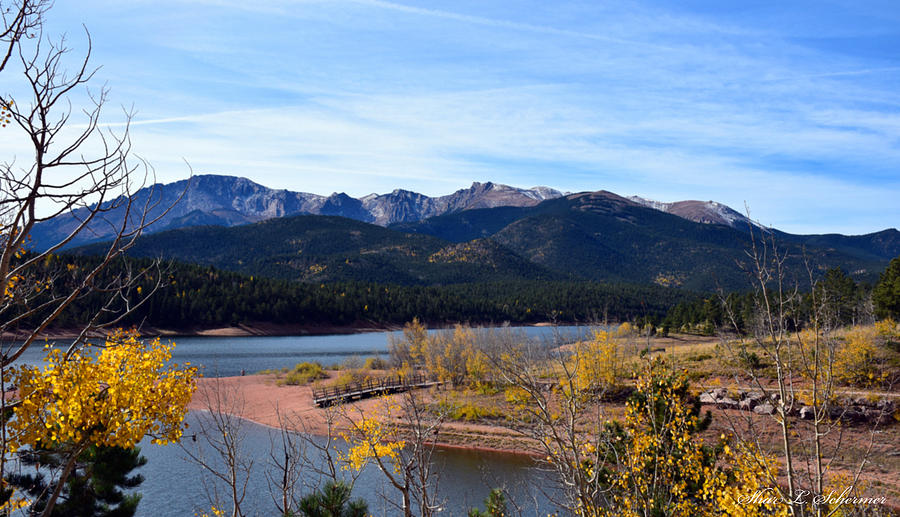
[228,356]
[175,486]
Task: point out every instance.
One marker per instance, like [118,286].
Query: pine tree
[333,500]
[94,489]
[886,294]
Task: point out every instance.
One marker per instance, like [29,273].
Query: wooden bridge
[329,395]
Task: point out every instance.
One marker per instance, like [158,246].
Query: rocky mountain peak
[707,212]
[210,199]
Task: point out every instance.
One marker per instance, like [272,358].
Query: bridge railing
[368,386]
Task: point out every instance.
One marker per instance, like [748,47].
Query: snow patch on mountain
[707,212]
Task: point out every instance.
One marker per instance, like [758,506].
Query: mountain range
[209,199]
[488,232]
[214,200]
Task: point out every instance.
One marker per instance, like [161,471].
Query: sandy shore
[259,399]
[263,329]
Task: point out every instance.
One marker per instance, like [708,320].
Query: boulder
[727,402]
[753,395]
[707,398]
[855,416]
[807,413]
[764,409]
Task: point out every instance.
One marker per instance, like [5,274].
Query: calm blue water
[175,486]
[227,356]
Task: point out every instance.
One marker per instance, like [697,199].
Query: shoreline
[260,400]
[256,398]
[438,444]
[265,330]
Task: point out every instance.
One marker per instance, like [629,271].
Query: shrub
[625,329]
[749,360]
[889,333]
[858,362]
[353,362]
[471,412]
[375,363]
[304,373]
[357,375]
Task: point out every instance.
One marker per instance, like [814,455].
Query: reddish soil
[258,398]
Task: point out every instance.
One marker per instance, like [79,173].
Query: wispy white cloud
[866,71]
[644,98]
[500,23]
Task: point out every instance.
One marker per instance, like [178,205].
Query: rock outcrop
[860,410]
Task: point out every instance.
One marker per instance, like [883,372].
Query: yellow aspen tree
[663,469]
[372,440]
[75,166]
[743,484]
[859,361]
[446,354]
[478,366]
[655,463]
[401,444]
[597,363]
[114,398]
[408,352]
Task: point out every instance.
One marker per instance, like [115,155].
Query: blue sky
[790,107]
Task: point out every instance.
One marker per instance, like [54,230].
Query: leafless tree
[304,459]
[217,446]
[320,450]
[63,182]
[559,417]
[71,169]
[802,393]
[284,468]
[19,20]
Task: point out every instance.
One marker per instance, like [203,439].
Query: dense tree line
[840,300]
[192,296]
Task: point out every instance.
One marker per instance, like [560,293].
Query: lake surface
[175,486]
[228,356]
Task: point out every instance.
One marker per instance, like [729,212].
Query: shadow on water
[175,486]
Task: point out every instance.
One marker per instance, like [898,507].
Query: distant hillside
[595,236]
[883,245]
[604,237]
[329,249]
[194,297]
